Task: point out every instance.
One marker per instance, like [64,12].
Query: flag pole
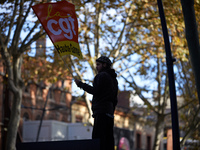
[170,60]
[69,69]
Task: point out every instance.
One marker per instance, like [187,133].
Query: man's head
[103,63]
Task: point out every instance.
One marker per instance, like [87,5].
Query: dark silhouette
[104,91]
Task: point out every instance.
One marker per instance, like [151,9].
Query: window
[63,97]
[51,94]
[25,116]
[79,118]
[148,142]
[138,141]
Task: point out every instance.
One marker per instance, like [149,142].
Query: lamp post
[170,60]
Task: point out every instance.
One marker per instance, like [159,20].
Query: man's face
[100,66]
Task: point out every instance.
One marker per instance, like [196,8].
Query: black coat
[104,90]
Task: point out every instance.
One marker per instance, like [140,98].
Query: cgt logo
[69,31]
[61,25]
[68,28]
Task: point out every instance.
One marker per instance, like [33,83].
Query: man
[104,90]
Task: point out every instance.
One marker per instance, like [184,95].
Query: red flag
[60,22]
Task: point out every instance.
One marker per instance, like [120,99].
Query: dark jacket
[104,90]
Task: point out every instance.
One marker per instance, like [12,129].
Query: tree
[189,111]
[130,33]
[192,36]
[137,47]
[15,21]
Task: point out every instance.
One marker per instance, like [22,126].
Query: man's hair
[104,59]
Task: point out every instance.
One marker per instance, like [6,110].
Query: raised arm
[85,87]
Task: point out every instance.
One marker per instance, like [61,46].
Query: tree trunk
[14,121]
[159,131]
[192,39]
[15,85]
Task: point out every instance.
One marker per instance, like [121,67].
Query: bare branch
[28,35]
[17,32]
[27,12]
[35,37]
[98,22]
[25,16]
[11,23]
[118,42]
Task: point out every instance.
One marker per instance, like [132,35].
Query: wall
[143,132]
